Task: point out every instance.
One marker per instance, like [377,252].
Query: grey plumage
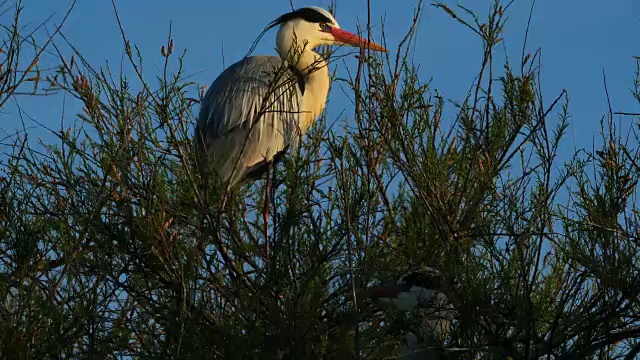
[249,115]
[262,105]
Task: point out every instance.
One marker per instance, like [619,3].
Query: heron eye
[324,26]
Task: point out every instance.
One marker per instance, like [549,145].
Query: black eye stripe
[311,15]
[307,14]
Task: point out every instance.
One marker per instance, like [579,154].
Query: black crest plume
[308,14]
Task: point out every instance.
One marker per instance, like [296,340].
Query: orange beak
[348,38]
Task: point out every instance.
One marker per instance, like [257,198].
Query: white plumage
[408,300]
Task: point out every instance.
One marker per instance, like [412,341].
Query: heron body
[243,134]
[262,105]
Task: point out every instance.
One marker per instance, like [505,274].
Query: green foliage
[112,244]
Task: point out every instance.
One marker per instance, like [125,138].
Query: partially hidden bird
[261,106]
[422,289]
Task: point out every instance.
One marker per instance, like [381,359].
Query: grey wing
[249,114]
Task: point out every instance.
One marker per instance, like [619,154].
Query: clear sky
[578,39]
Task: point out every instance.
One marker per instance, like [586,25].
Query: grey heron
[260,106]
[420,288]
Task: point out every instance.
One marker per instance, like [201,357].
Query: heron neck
[316,81]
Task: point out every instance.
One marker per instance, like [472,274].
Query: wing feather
[250,113]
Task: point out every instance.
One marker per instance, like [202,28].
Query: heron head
[312,26]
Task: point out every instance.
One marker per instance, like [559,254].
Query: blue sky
[578,39]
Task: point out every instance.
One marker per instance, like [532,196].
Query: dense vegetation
[113,245]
